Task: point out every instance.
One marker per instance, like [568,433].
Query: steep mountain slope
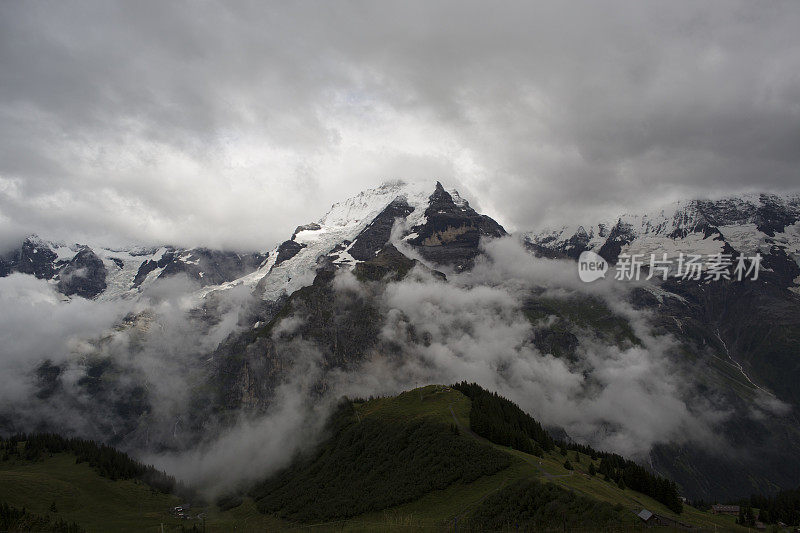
[437,225]
[743,335]
[752,327]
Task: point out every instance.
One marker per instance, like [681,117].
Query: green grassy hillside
[81,495]
[503,487]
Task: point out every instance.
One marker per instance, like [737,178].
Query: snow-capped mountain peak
[351,231]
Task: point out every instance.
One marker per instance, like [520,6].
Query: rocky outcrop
[621,234]
[32,257]
[452,231]
[287,250]
[84,275]
[313,226]
[202,265]
[372,239]
[389,264]
[152,264]
[212,267]
[569,249]
[770,213]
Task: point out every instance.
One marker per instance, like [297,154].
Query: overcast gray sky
[228,124]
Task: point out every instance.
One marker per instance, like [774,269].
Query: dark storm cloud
[230,123]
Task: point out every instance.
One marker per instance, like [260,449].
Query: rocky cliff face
[84,275]
[33,257]
[203,265]
[742,339]
[377,233]
[452,231]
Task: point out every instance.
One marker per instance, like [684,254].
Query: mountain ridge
[748,223]
[767,223]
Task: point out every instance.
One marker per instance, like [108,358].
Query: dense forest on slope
[528,505]
[633,476]
[503,422]
[781,507]
[108,462]
[14,519]
[369,465]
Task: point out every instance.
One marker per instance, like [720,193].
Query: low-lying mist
[128,372]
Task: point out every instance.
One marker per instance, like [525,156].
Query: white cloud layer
[621,397]
[624,398]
